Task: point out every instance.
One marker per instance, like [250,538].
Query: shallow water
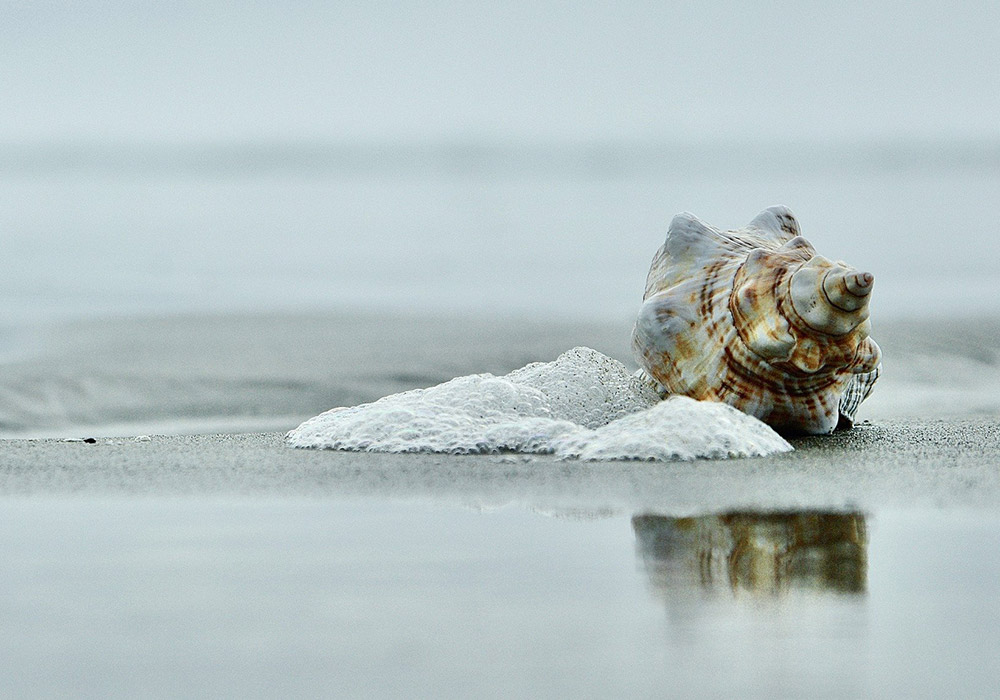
[251,372]
[373,597]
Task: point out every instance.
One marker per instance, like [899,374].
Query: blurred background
[500,158]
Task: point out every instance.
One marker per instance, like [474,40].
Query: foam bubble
[676,428]
[583,405]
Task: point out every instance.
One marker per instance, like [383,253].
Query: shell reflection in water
[757,552]
[756,319]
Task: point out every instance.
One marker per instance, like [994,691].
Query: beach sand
[894,464]
[230,565]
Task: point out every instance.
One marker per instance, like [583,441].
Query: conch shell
[754,318]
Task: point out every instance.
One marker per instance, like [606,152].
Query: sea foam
[582,405]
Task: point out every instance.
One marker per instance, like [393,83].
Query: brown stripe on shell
[770,378]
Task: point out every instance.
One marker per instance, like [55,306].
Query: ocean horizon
[532,228]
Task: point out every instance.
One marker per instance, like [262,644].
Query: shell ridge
[688,232]
[778,223]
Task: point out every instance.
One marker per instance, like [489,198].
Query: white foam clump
[583,405]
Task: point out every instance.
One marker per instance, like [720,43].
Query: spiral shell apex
[756,319]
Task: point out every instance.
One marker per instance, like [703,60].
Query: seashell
[756,319]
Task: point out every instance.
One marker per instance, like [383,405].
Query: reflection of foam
[756,552]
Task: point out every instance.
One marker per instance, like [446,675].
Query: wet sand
[860,565]
[892,464]
[863,564]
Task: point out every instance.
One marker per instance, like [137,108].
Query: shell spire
[756,319]
[830,298]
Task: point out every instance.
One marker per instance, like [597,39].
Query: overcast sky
[455,70]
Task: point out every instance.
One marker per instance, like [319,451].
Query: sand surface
[235,566]
[227,564]
[902,463]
